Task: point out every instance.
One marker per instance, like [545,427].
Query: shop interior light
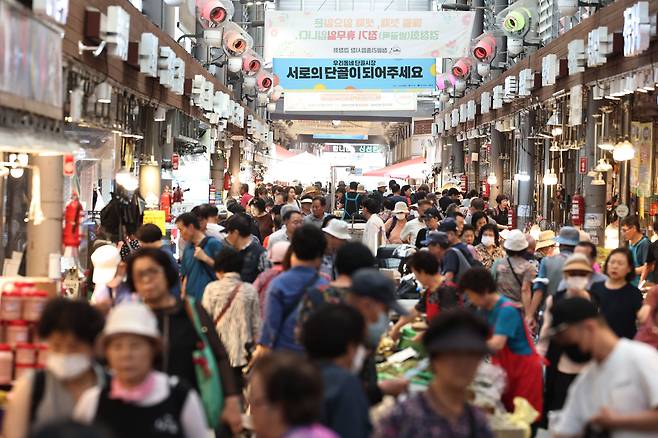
[556,131]
[160,114]
[603,166]
[127,180]
[623,151]
[606,145]
[522,176]
[492,179]
[598,181]
[103,92]
[550,179]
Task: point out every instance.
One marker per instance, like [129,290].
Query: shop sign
[576,105]
[637,29]
[115,29]
[593,220]
[69,165]
[582,166]
[498,94]
[367,35]
[576,57]
[446,120]
[359,74]
[511,89]
[471,110]
[599,46]
[548,69]
[526,82]
[463,183]
[307,101]
[156,217]
[485,102]
[148,55]
[353,148]
[462,113]
[57,10]
[166,60]
[622,210]
[455,118]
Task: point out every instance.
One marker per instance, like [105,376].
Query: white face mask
[67,366]
[577,282]
[358,359]
[488,241]
[401,216]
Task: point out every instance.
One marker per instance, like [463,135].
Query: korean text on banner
[381,34]
[359,74]
[156,217]
[313,101]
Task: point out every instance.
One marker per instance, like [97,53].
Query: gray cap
[371,283]
[288,207]
[436,238]
[569,236]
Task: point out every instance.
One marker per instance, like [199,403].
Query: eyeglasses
[147,273]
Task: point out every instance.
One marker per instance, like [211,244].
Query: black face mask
[575,354]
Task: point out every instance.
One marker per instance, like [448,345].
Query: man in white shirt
[411,229]
[618,392]
[374,235]
[292,219]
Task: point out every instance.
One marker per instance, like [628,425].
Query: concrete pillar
[458,156]
[525,188]
[594,195]
[496,164]
[46,238]
[234,168]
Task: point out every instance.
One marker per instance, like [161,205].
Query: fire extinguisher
[511,218]
[174,161]
[577,209]
[72,216]
[212,194]
[227,181]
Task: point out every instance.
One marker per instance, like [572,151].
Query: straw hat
[577,262]
[546,239]
[400,207]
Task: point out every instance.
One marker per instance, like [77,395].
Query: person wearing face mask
[396,223]
[373,295]
[617,395]
[139,402]
[562,370]
[456,342]
[70,329]
[489,249]
[340,357]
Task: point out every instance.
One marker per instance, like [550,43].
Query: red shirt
[244,199]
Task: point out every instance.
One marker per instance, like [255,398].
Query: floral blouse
[488,258]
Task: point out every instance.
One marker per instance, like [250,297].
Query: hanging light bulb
[606,145]
[104,92]
[623,151]
[17,170]
[127,180]
[492,179]
[603,166]
[598,181]
[522,176]
[556,131]
[550,179]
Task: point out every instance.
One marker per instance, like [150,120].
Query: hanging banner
[314,101]
[642,139]
[355,74]
[372,35]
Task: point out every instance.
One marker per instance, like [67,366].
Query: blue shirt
[284,295]
[507,321]
[197,273]
[176,288]
[639,250]
[346,407]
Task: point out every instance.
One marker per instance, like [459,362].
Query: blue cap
[448,224]
[369,282]
[436,238]
[569,236]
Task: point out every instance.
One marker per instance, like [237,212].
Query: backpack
[351,205]
[464,263]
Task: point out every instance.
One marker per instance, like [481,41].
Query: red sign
[582,166]
[69,165]
[463,182]
[174,161]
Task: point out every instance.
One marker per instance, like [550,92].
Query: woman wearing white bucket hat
[514,274]
[396,223]
[139,402]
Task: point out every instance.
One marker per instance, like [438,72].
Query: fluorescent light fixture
[522,176]
[550,179]
[606,145]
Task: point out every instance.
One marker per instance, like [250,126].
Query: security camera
[444,97]
[485,48]
[261,99]
[249,83]
[213,38]
[271,107]
[483,69]
[462,68]
[215,12]
[275,93]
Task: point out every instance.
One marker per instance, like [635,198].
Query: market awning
[281,153]
[413,168]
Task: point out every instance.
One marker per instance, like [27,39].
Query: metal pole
[594,195]
[46,238]
[525,161]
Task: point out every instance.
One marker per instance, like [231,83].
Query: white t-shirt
[410,231]
[626,382]
[374,235]
[193,418]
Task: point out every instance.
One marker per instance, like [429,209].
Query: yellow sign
[156,217]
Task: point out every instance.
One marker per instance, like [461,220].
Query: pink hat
[278,251]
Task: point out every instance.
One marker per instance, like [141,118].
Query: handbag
[227,306]
[206,369]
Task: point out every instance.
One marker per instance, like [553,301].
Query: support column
[46,238]
[234,167]
[496,164]
[458,155]
[594,195]
[525,207]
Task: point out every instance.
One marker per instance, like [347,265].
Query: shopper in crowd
[545,245]
[245,197]
[208,216]
[437,244]
[198,256]
[239,238]
[406,192]
[288,289]
[514,274]
[291,197]
[451,197]
[513,347]
[618,300]
[150,236]
[431,219]
[478,220]
[396,194]
[411,229]
[588,250]
[638,244]
[353,201]
[276,256]
[139,401]
[339,357]
[458,217]
[151,277]
[318,207]
[502,210]
[618,395]
[337,234]
[457,259]
[650,271]
[286,398]
[396,223]
[489,249]
[351,257]
[340,198]
[292,220]
[477,206]
[70,328]
[550,272]
[468,235]
[374,234]
[456,342]
[648,319]
[438,295]
[563,365]
[305,204]
[262,217]
[108,277]
[233,306]
[380,192]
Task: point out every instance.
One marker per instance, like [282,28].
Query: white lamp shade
[492,179]
[623,151]
[550,179]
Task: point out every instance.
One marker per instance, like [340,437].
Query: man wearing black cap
[617,396]
[431,219]
[437,244]
[456,342]
[458,259]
